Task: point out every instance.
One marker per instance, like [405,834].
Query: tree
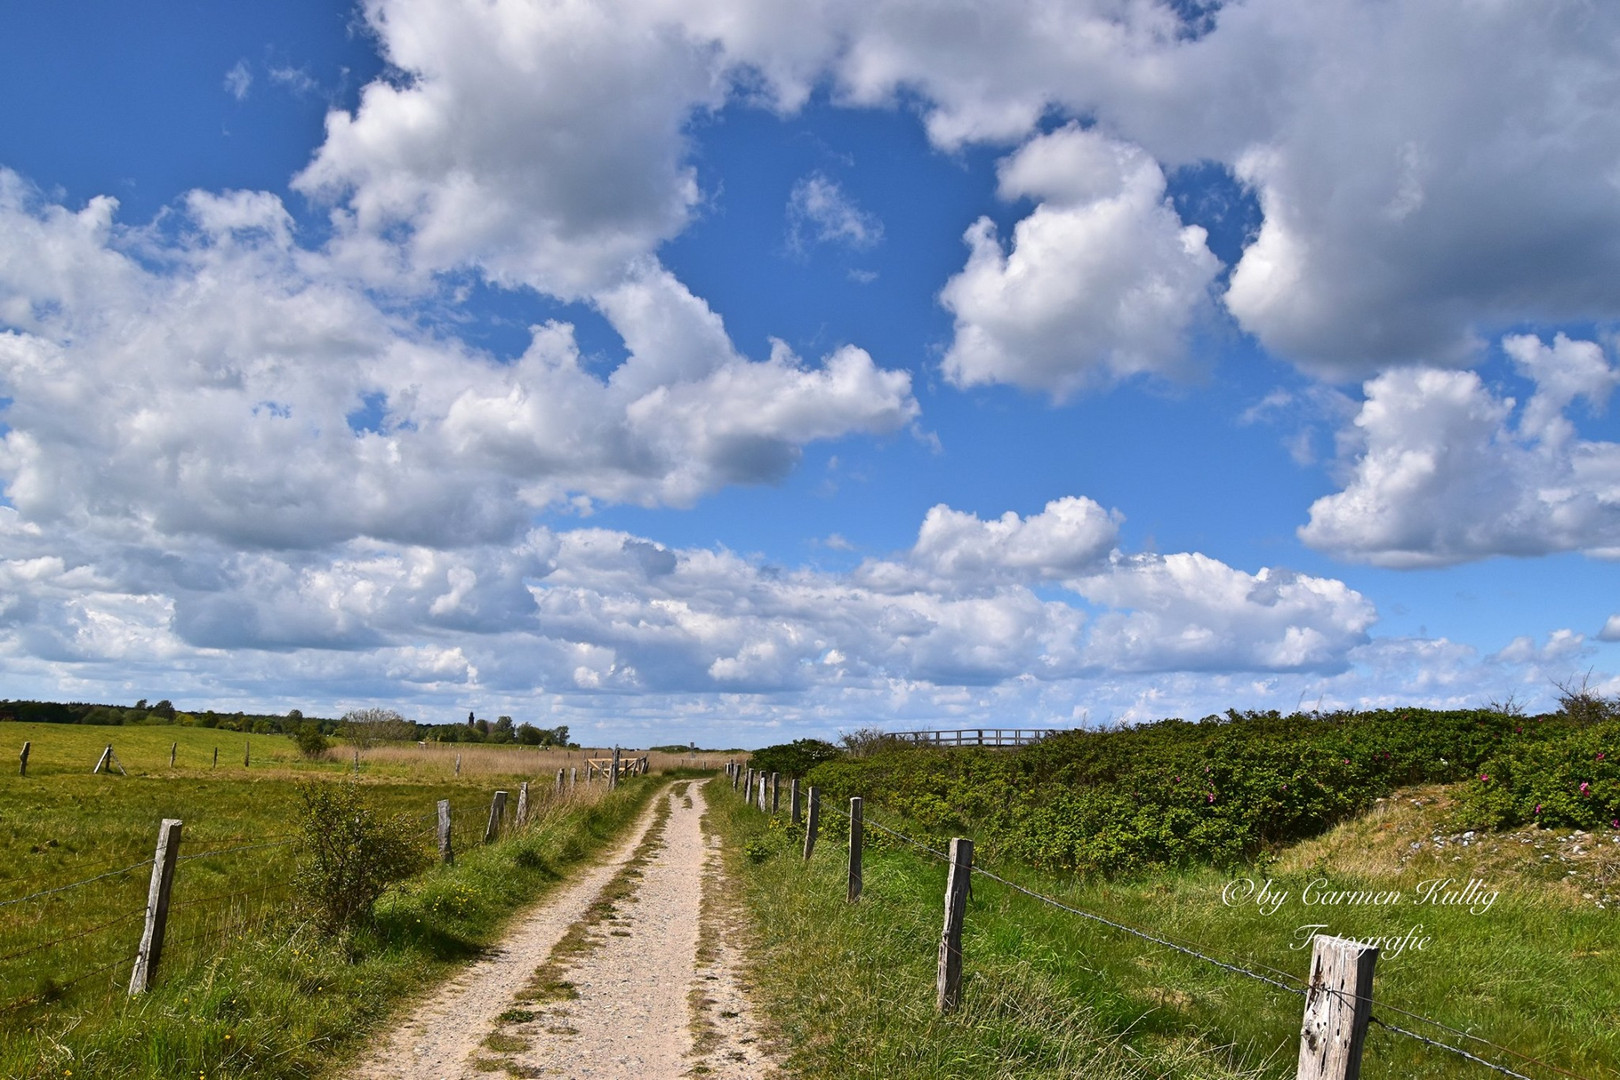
[365,727]
[502,731]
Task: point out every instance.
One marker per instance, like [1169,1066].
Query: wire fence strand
[74,885]
[1296,990]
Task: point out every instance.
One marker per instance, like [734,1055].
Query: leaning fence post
[157,906]
[522,816]
[445,854]
[1338,1005]
[950,939]
[793,801]
[101,762]
[812,822]
[173,748]
[857,838]
[497,810]
[26,746]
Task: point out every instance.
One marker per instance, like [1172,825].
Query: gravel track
[628,995]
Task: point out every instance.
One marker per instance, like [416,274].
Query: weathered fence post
[573,778]
[748,786]
[794,809]
[445,854]
[559,782]
[613,778]
[101,762]
[157,906]
[1338,1005]
[216,757]
[764,792]
[857,838]
[950,939]
[357,761]
[812,822]
[173,748]
[458,764]
[247,750]
[776,793]
[26,746]
[522,816]
[497,810]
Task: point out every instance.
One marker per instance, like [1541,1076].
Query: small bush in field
[350,854]
[309,740]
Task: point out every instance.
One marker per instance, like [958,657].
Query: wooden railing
[978,736]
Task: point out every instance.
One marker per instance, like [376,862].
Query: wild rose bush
[1219,791]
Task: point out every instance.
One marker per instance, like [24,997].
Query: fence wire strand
[72,937]
[936,853]
[74,885]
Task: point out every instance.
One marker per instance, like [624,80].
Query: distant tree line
[360,727]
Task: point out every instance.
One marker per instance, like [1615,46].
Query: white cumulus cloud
[1445,475]
[1102,280]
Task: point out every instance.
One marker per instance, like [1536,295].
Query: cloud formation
[1443,473]
[819,212]
[198,381]
[1102,280]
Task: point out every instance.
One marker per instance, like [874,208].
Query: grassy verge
[276,1000]
[1050,994]
[850,988]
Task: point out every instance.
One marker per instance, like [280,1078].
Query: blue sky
[735,372]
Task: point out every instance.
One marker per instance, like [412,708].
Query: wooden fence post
[950,939]
[26,746]
[357,761]
[794,809]
[573,778]
[1338,1005]
[445,854]
[776,793]
[157,906]
[216,757]
[613,778]
[857,838]
[522,816]
[812,822]
[458,764]
[559,782]
[101,762]
[247,749]
[497,810]
[173,748]
[764,792]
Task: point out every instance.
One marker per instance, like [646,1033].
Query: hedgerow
[1220,790]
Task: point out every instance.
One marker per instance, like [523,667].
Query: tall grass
[851,986]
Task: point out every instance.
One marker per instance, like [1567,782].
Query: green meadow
[246,986]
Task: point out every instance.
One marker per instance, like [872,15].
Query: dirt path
[627,972]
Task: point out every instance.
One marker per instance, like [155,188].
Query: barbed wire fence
[1362,1006]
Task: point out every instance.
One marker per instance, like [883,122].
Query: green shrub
[349,854]
[796,758]
[311,743]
